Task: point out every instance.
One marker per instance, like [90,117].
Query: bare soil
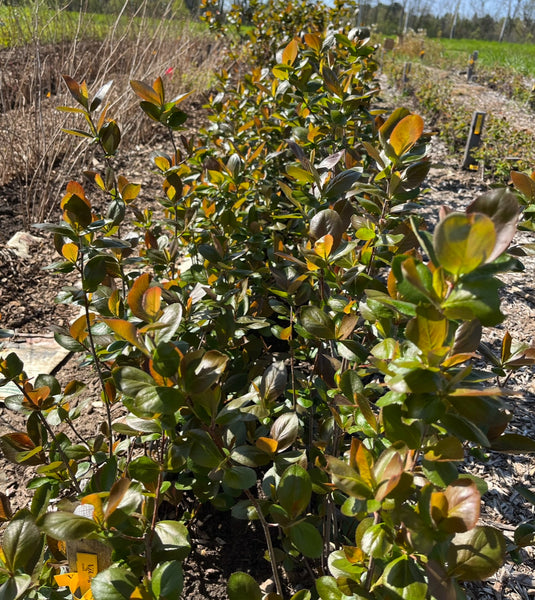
[222,545]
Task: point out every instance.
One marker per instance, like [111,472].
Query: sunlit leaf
[406,133]
[145,92]
[289,54]
[463,242]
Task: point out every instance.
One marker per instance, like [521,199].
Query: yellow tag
[479,122]
[87,567]
[69,580]
[135,594]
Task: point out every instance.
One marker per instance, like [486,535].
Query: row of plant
[504,67]
[286,338]
[503,146]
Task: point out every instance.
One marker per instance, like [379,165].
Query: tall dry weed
[36,157]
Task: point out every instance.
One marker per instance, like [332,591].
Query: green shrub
[287,340]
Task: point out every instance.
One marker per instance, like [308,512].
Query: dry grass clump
[37,158]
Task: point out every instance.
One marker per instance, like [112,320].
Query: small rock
[20,243]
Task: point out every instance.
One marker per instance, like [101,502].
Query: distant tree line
[516,22]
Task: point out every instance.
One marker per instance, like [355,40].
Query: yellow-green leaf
[464,242]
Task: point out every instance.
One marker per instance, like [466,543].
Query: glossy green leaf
[94,272]
[294,490]
[318,323]
[428,330]
[239,478]
[328,589]
[144,469]
[167,580]
[115,583]
[15,588]
[206,371]
[22,542]
[347,479]
[63,525]
[170,318]
[241,586]
[376,541]
[171,541]
[307,539]
[513,443]
[405,578]
[475,298]
[476,554]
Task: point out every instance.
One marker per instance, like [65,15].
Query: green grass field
[22,25]
[517,57]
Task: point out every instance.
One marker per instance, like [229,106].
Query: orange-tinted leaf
[354,555]
[74,89]
[135,296]
[323,246]
[506,347]
[162,163]
[117,492]
[20,441]
[406,133]
[78,329]
[457,359]
[130,192]
[152,299]
[286,333]
[5,508]
[439,507]
[96,502]
[83,92]
[39,395]
[145,92]
[208,207]
[158,88]
[313,40]
[524,184]
[289,54]
[456,510]
[360,458]
[267,445]
[125,330]
[389,476]
[110,392]
[115,303]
